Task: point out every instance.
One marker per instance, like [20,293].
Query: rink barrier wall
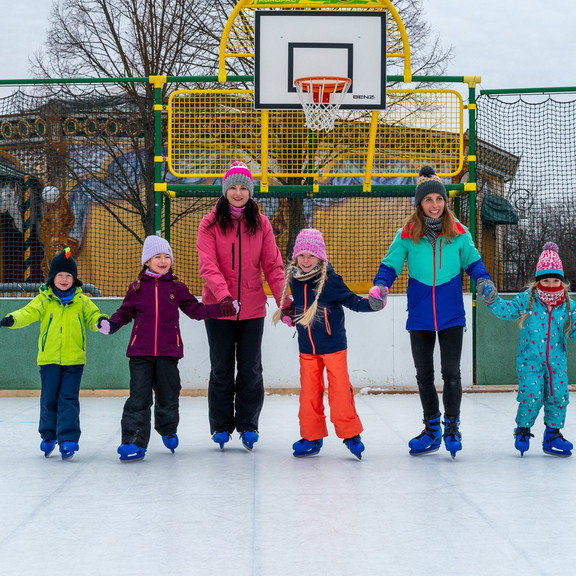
[379,356]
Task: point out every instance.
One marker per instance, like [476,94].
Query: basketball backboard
[293,44]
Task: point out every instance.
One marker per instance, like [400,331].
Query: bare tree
[142,38]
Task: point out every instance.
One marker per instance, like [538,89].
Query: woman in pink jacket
[235,245]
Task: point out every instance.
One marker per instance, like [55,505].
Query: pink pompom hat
[549,264]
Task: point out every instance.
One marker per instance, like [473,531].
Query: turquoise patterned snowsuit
[541,361]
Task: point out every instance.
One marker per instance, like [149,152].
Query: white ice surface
[206,512]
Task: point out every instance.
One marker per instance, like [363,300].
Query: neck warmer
[550,296]
[153,274]
[237,212]
[301,276]
[65,296]
[433,229]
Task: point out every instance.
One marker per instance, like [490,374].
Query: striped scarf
[433,229]
[550,296]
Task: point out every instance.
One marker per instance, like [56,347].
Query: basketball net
[321,97]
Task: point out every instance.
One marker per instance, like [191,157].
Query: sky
[510,44]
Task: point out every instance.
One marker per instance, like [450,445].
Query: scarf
[550,296]
[64,296]
[433,229]
[301,276]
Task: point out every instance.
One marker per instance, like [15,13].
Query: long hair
[223,216]
[533,287]
[416,224]
[309,315]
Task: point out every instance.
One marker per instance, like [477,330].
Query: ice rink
[206,512]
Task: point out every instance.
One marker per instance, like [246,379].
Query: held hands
[105,326]
[487,290]
[377,296]
[229,307]
[288,314]
[7,321]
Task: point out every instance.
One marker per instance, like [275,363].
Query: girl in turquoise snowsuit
[546,320]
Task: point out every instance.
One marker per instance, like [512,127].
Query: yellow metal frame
[307,4]
[387,134]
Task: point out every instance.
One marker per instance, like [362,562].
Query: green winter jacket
[62,326]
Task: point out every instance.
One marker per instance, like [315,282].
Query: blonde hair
[416,225]
[309,315]
[533,287]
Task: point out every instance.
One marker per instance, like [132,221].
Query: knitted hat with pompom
[428,183]
[549,264]
[238,173]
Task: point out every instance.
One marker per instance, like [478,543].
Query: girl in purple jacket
[153,301]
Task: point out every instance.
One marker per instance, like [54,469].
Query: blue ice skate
[68,449]
[171,442]
[429,440]
[355,446]
[130,452]
[47,446]
[307,447]
[221,438]
[522,442]
[249,438]
[555,444]
[452,436]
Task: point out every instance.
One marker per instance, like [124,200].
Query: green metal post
[158,155]
[472,205]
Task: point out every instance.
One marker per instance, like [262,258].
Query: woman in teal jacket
[64,313]
[436,248]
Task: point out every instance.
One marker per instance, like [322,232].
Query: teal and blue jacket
[435,300]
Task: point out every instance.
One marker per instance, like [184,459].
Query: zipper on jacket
[548,351]
[434,288]
[81,331]
[155,316]
[135,335]
[46,333]
[233,255]
[239,266]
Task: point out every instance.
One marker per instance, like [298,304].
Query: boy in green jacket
[64,313]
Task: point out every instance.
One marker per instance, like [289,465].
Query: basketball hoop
[321,97]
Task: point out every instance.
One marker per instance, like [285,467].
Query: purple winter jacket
[154,307]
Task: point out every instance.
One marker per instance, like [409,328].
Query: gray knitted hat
[428,183]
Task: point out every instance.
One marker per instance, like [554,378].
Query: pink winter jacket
[231,264]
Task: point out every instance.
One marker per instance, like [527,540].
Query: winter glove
[229,307]
[7,321]
[487,290]
[288,314]
[105,326]
[377,296]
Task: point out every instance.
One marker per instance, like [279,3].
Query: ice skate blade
[306,454]
[423,452]
[557,454]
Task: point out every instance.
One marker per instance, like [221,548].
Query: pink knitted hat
[310,240]
[238,173]
[549,264]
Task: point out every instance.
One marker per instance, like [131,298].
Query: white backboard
[293,44]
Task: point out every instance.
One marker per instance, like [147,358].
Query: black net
[526,167]
[75,172]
